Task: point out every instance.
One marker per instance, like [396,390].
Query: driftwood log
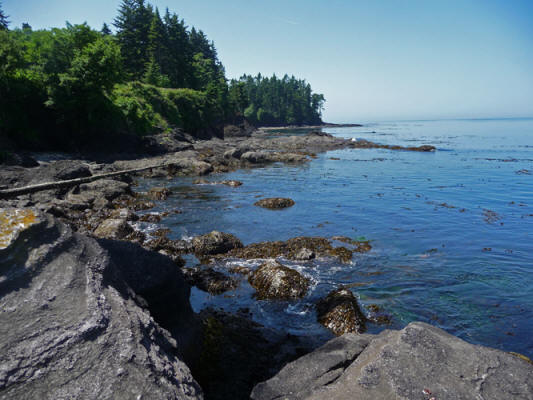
[18,191]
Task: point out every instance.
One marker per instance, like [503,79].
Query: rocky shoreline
[93,308]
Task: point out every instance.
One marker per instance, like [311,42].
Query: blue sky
[373,60]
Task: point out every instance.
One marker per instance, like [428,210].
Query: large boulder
[215,243]
[417,362]
[340,313]
[272,280]
[77,319]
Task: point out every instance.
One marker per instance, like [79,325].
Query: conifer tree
[105,30]
[4,23]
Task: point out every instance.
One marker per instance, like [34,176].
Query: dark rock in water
[273,280]
[215,243]
[340,313]
[75,320]
[240,269]
[275,203]
[113,229]
[237,353]
[417,362]
[361,246]
[171,248]
[292,249]
[209,280]
[158,193]
[232,183]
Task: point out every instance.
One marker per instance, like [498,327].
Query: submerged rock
[158,193]
[275,203]
[417,362]
[215,243]
[77,319]
[340,313]
[273,280]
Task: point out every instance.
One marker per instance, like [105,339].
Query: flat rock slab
[417,362]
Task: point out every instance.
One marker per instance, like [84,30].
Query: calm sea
[451,231]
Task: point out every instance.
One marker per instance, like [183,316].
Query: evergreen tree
[105,30]
[133,25]
[4,23]
[178,63]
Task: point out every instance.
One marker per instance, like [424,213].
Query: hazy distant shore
[324,125]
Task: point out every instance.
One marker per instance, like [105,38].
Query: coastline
[105,211]
[307,127]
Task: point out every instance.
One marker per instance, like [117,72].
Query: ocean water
[451,231]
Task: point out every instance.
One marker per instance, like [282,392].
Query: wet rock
[215,243]
[361,246]
[232,183]
[113,229]
[290,249]
[158,193]
[240,269]
[275,203]
[419,361]
[342,253]
[340,313]
[71,325]
[152,217]
[171,248]
[273,280]
[304,254]
[210,280]
[133,203]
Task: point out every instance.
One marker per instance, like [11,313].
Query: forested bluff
[76,87]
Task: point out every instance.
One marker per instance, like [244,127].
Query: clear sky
[373,60]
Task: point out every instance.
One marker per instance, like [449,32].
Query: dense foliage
[65,87]
[273,101]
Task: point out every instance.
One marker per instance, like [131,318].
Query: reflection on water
[451,230]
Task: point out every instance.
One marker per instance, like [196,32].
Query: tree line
[63,87]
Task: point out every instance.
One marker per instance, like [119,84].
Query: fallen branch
[14,192]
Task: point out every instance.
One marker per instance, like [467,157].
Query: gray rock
[73,324]
[255,157]
[417,362]
[110,189]
[113,229]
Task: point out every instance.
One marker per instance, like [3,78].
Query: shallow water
[451,231]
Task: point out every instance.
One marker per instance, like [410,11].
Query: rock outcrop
[340,313]
[83,319]
[417,362]
[272,280]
